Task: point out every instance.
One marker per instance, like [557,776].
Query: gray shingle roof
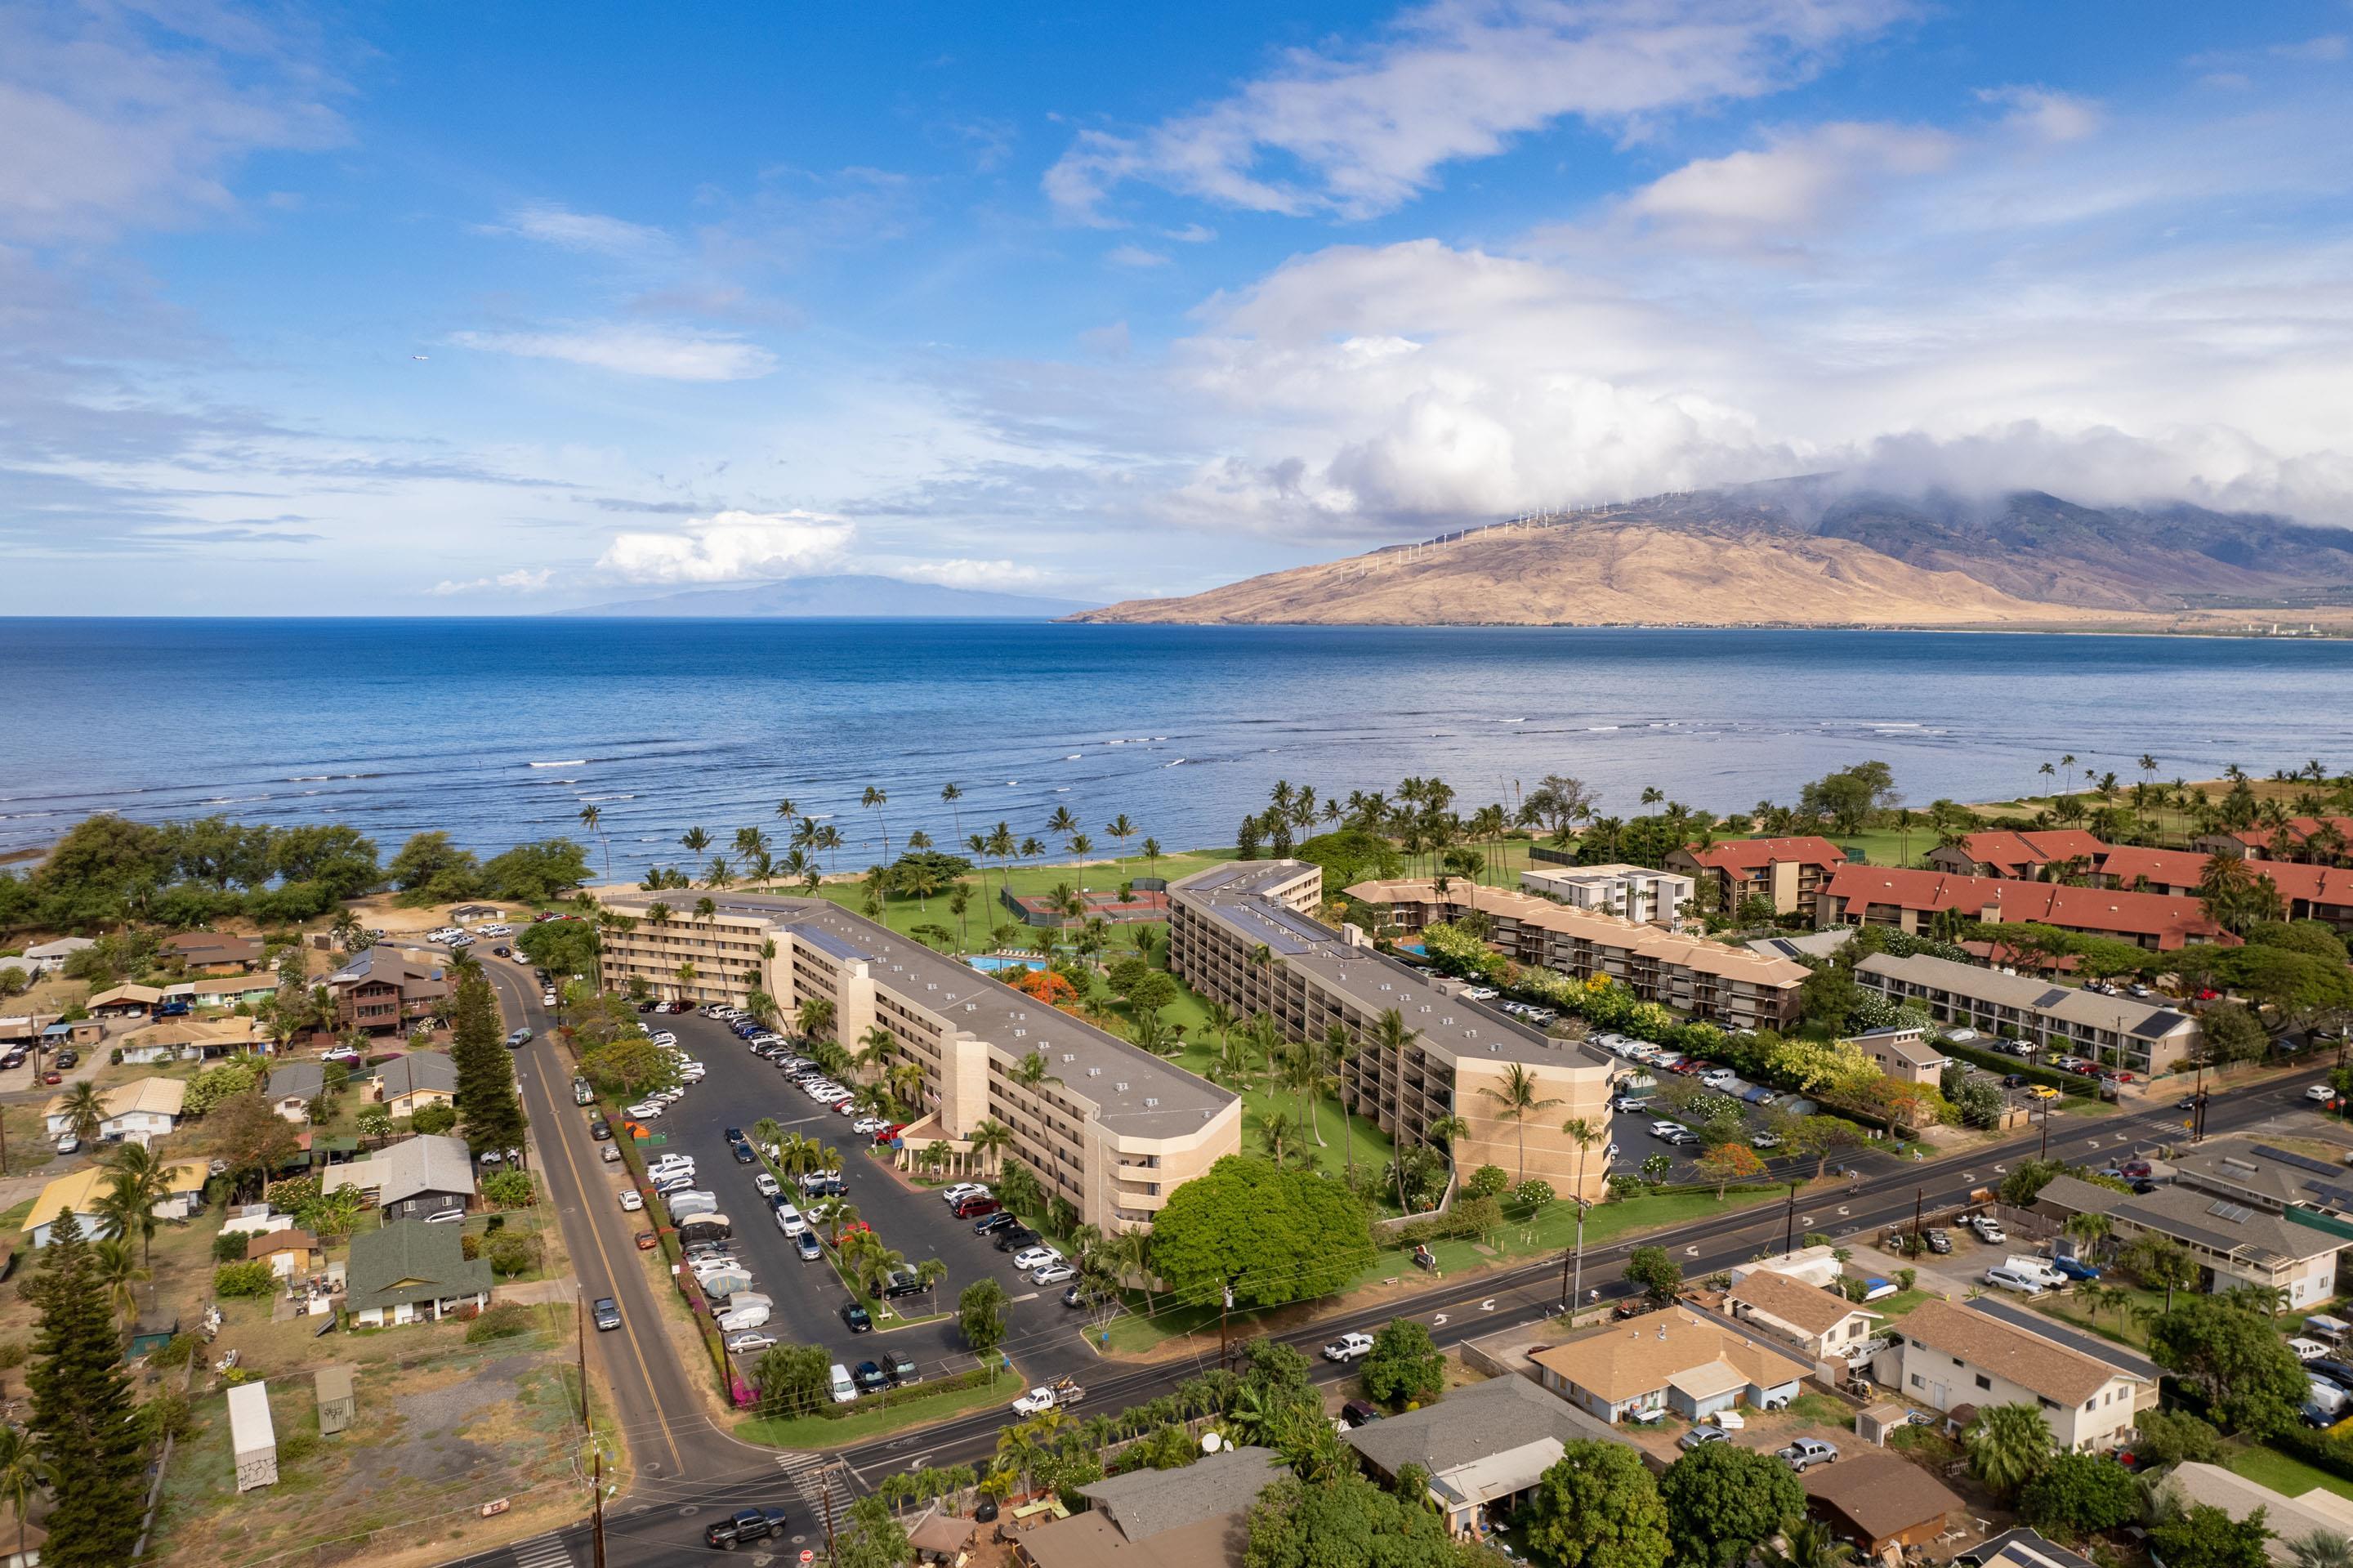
[298,1080]
[417,1071]
[1144,1503]
[1486,1418]
[425,1164]
[410,1261]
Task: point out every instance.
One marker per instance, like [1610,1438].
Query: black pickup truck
[745,1524]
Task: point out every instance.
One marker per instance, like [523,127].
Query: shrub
[433,1118]
[507,1317]
[230,1246]
[511,1189]
[166,1415]
[244,1279]
[470,1246]
[512,1253]
[297,1446]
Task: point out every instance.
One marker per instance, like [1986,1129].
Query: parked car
[1806,1453]
[974,1208]
[996,1220]
[901,1368]
[768,1186]
[858,1318]
[1035,1257]
[1052,1274]
[1700,1436]
[1015,1238]
[868,1377]
[808,1246]
[69,1144]
[2005,1278]
[1357,1413]
[1940,1242]
[2075,1269]
[1348,1348]
[631,1202]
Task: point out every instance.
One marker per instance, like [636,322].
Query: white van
[684,1204]
[844,1391]
[2035,1268]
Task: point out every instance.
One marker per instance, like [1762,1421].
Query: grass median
[879,1417]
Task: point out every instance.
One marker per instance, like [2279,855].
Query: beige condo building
[1113,1128]
[1244,935]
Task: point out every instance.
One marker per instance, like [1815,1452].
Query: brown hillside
[1606,571]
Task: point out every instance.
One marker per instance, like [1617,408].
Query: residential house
[20,1544]
[2268,1176]
[212,952]
[1879,1499]
[2020,856]
[1903,1055]
[293,1086]
[53,954]
[216,991]
[2283,843]
[1723,983]
[2020,1547]
[1911,900]
[79,1193]
[411,1180]
[382,990]
[1677,1359]
[2314,1511]
[195,1039]
[1957,1359]
[140,1111]
[1482,1445]
[1823,1323]
[410,1272]
[1789,871]
[407,1084]
[125,1001]
[1633,893]
[1159,1519]
[288,1253]
[2232,1242]
[255,1220]
[2146,1037]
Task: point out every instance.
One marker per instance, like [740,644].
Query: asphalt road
[691,1471]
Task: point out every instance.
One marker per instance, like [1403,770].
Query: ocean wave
[574,762]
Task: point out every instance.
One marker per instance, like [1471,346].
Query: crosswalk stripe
[542,1551]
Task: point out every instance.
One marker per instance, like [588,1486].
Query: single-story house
[254,1220]
[1877,1499]
[195,1039]
[1677,1359]
[2020,1547]
[288,1253]
[1189,1518]
[232,990]
[465,913]
[140,1111]
[25,1028]
[1945,1355]
[126,1001]
[20,1546]
[1820,1322]
[410,1272]
[407,1084]
[53,954]
[412,1179]
[1816,1265]
[2232,1242]
[293,1086]
[79,1192]
[213,952]
[1482,1445]
[2291,1518]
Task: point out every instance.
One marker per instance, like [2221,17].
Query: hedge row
[979,1377]
[2072,1082]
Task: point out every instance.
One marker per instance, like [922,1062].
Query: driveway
[738,1090]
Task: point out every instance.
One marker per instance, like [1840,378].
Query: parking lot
[740,1089]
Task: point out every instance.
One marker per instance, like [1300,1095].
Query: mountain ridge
[1807,552]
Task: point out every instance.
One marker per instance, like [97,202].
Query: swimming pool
[990,963]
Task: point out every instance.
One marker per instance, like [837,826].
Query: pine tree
[486,1086]
[82,1410]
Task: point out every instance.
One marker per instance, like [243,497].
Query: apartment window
[1984,1382]
[1916,1380]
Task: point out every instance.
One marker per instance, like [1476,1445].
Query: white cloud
[1135,256]
[552,224]
[731,547]
[1007,575]
[118,119]
[2041,112]
[634,350]
[1368,129]
[520,580]
[1795,182]
[2329,48]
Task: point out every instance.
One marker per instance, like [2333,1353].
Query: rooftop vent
[972,1007]
[1018,1034]
[1149,1102]
[1092,1072]
[1068,1058]
[1119,1089]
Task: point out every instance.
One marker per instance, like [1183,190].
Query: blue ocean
[501,730]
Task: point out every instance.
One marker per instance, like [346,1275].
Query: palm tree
[594,821]
[990,1139]
[22,1473]
[84,1110]
[1150,848]
[874,1048]
[1303,1074]
[1122,830]
[1582,1132]
[696,840]
[1264,1035]
[2068,762]
[143,1180]
[1390,1035]
[815,1017]
[2008,1445]
[1339,1046]
[1517,1099]
[1275,1132]
[1061,825]
[1031,1071]
[117,1267]
[2321,1549]
[931,1271]
[1806,1543]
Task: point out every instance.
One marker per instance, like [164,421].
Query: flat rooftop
[1158,1099]
[1451,1027]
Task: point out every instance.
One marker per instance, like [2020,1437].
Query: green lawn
[2281,1473]
[1903,1301]
[876,1418]
[2121,1326]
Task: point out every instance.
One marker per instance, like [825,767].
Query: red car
[974,1208]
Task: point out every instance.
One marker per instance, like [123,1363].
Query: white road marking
[1031,1297]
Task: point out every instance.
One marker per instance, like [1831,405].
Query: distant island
[849,596]
[1807,552]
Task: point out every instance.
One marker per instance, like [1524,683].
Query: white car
[766,1185]
[2321,1093]
[1035,1257]
[671,1164]
[631,1202]
[547,999]
[690,1070]
[523,958]
[1348,1348]
[662,1037]
[1037,1402]
[497,928]
[1480,993]
[1053,1274]
[69,1144]
[644,1110]
[671,1095]
[961,1190]
[1765,1140]
[749,1339]
[790,1221]
[868,1125]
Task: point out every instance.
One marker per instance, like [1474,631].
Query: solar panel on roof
[2340,1196]
[2158,1024]
[2052,997]
[2223,1208]
[2301,1161]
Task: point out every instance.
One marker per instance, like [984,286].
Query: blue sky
[443,309]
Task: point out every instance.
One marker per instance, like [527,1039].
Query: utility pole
[580,1322]
[597,1515]
[825,1495]
[1224,1344]
[1789,1227]
[1576,1291]
[1919,1202]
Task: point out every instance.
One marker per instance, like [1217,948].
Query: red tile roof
[2015,852]
[1752,855]
[2126,863]
[2172,921]
[2298,830]
[2331,885]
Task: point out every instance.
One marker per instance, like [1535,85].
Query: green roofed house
[410,1272]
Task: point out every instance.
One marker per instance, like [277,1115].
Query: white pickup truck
[1348,1348]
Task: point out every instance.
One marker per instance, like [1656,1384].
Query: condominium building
[1737,987]
[2308,890]
[1111,1127]
[1789,871]
[2018,856]
[1630,892]
[2282,843]
[1242,935]
[2144,1037]
[1910,900]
